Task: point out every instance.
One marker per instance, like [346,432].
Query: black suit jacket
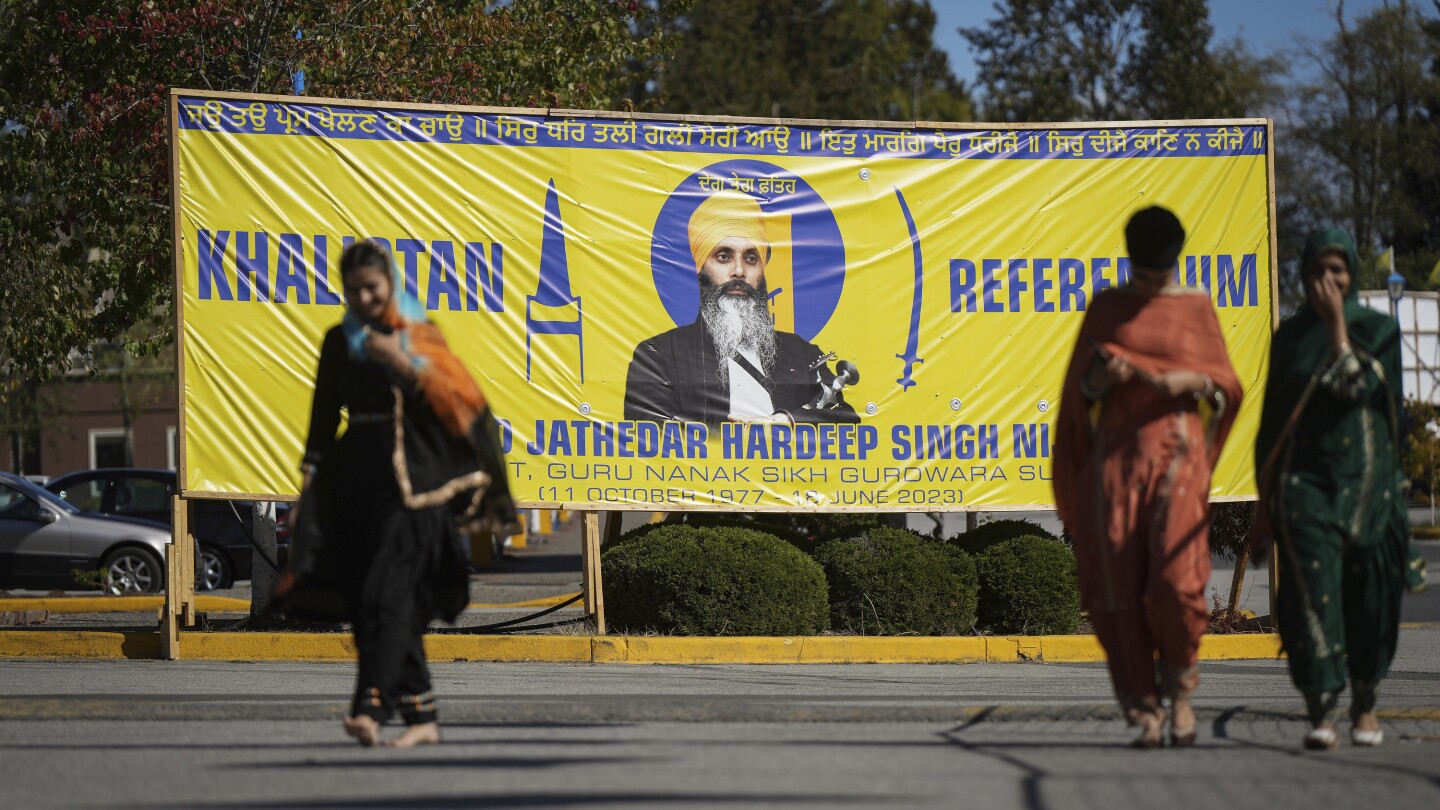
[674,377]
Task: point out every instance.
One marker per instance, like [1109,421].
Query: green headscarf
[1301,348]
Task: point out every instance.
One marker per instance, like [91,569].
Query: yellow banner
[700,314]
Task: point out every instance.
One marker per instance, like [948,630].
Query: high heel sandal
[1182,738]
[1152,730]
[1178,685]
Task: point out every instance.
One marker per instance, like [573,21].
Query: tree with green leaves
[1103,60]
[1173,71]
[836,59]
[1054,60]
[84,168]
[1422,448]
[1368,131]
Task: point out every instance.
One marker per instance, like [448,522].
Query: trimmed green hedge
[889,581]
[1028,587]
[996,531]
[713,581]
[778,524]
[806,531]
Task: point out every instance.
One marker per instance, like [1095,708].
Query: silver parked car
[44,538]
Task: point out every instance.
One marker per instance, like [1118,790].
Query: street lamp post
[1395,284]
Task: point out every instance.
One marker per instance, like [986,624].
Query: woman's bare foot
[363,728]
[1182,723]
[418,734]
[1152,728]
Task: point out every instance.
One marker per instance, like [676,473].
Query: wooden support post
[590,565]
[1274,583]
[522,539]
[612,527]
[1237,582]
[482,548]
[169,615]
[173,609]
[184,541]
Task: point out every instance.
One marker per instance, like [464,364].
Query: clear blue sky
[1266,26]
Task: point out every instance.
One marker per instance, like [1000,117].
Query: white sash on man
[749,397]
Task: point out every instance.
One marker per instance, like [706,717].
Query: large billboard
[1418,314]
[700,313]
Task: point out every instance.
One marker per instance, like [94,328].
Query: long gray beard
[738,324]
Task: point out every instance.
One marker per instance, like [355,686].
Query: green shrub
[888,581]
[1230,527]
[713,581]
[806,531]
[1028,586]
[86,580]
[996,531]
[841,525]
[778,524]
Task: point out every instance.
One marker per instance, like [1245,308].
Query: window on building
[25,452]
[172,448]
[109,448]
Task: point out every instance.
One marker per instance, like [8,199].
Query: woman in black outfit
[376,539]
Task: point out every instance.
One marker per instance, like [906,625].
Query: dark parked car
[44,538]
[222,528]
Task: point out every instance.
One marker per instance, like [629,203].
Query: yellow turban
[726,214]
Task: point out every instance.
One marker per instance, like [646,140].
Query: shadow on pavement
[408,762]
[565,800]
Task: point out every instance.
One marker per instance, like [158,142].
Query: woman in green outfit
[1332,491]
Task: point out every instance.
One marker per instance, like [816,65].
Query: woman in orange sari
[1149,398]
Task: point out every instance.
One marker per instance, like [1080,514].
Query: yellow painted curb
[202,646]
[217,604]
[1409,713]
[1239,646]
[78,644]
[556,649]
[118,604]
[341,647]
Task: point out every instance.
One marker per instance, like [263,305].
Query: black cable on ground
[274,566]
[481,628]
[509,626]
[586,617]
[502,627]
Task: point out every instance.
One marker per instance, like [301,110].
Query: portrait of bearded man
[731,364]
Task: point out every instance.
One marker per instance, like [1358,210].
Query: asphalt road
[230,734]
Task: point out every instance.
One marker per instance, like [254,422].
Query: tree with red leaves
[84,171]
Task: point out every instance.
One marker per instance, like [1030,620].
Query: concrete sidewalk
[501,692]
[995,736]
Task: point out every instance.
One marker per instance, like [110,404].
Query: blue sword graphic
[912,343]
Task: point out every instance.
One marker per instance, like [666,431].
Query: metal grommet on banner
[864,174]
[1043,405]
[870,408]
[584,409]
[955,404]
